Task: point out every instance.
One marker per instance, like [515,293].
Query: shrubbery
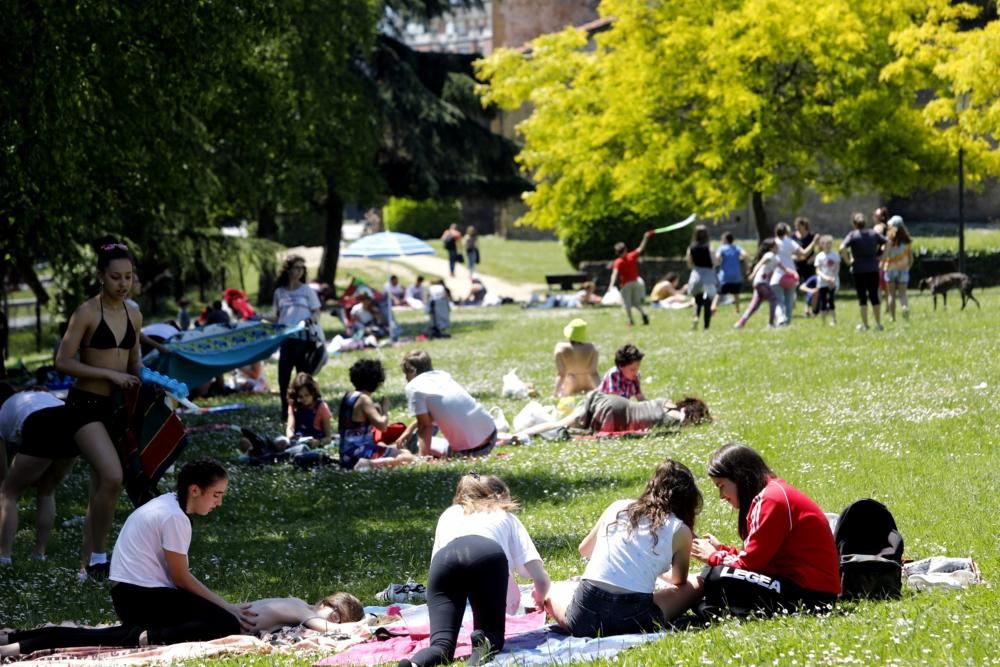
[425,219]
[597,241]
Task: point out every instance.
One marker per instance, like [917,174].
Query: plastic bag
[513,386]
[499,420]
[613,297]
[531,414]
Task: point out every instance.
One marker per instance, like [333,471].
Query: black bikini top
[104,337]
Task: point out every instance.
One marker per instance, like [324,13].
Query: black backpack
[871,551]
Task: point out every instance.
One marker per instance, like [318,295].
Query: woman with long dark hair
[788,559]
[294,302]
[101,350]
[634,543]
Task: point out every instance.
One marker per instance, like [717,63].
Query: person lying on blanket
[635,545]
[610,413]
[340,613]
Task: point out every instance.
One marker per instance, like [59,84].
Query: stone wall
[516,22]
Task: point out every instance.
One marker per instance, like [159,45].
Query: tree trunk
[28,275]
[267,228]
[331,238]
[760,216]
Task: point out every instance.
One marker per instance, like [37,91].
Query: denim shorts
[901,276]
[597,612]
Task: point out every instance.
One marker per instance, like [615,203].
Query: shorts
[901,276]
[731,288]
[85,407]
[866,285]
[595,611]
[47,434]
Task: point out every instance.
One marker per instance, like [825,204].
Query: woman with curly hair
[294,302]
[635,545]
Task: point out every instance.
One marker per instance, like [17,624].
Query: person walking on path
[450,239]
[626,270]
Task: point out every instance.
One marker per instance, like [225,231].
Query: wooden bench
[567,281]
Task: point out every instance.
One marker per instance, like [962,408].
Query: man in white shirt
[433,397]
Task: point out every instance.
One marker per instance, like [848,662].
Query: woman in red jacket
[788,560]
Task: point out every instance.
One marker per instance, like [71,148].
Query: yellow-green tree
[962,68]
[700,105]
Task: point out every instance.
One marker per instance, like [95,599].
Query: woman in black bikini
[103,330]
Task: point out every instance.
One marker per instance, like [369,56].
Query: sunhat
[576,331]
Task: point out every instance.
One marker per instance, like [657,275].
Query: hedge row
[425,219]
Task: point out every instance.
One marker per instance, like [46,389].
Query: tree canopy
[700,106]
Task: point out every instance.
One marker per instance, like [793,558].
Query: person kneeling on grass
[789,559]
[609,413]
[634,544]
[154,593]
[478,545]
[361,420]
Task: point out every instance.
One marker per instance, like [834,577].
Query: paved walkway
[408,268]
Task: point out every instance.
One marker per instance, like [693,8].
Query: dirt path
[408,268]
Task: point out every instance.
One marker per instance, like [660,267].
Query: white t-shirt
[464,423]
[294,306]
[17,408]
[138,556]
[786,251]
[396,291]
[418,292]
[361,314]
[767,269]
[503,528]
[828,262]
[628,559]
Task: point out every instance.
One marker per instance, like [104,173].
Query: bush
[425,219]
[596,242]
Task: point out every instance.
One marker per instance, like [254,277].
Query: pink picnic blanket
[412,638]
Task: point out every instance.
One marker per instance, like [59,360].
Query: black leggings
[733,591]
[61,637]
[473,569]
[292,354]
[866,286]
[703,302]
[171,616]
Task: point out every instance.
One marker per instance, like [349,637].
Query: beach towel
[152,441]
[197,356]
[411,635]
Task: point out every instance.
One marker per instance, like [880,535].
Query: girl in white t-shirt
[761,276]
[294,302]
[827,278]
[154,593]
[636,547]
[478,545]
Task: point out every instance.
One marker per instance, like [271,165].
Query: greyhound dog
[946,281]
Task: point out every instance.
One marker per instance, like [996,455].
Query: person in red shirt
[626,269]
[789,559]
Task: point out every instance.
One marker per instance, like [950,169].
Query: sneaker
[861,327]
[482,649]
[411,591]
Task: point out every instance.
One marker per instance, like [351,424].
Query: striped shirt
[616,383]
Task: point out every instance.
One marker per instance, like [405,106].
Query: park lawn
[907,416]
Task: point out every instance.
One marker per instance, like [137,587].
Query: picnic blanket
[289,641]
[412,634]
[197,356]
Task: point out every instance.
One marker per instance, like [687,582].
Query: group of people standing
[790,262]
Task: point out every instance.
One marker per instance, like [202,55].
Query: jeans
[595,611]
[786,302]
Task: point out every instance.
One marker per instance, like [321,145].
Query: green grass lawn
[907,416]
